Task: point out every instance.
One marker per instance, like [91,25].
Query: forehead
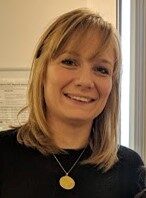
[83,39]
[89,43]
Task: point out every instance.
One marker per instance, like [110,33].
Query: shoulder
[8,136]
[129,157]
[8,142]
[131,168]
[10,147]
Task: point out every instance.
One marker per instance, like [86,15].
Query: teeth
[82,99]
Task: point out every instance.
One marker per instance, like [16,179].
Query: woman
[68,147]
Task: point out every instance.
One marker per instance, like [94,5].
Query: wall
[22,23]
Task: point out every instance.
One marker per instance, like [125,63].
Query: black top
[26,173]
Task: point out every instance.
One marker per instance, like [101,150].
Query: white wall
[22,23]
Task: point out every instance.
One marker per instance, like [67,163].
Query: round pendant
[66,182]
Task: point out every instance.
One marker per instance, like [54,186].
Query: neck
[70,135]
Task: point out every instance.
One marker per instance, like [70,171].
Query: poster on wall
[12,100]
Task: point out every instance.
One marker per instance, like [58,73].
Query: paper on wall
[12,99]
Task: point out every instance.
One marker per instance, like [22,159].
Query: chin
[79,119]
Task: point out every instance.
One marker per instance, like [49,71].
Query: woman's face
[78,82]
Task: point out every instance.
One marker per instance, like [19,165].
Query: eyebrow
[94,57]
[105,61]
[70,52]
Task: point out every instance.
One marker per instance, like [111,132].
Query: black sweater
[26,173]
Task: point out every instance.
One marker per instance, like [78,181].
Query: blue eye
[69,62]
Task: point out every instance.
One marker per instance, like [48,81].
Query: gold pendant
[66,182]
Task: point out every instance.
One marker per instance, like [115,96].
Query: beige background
[22,23]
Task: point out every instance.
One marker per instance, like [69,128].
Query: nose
[84,79]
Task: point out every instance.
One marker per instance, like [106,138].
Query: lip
[79,98]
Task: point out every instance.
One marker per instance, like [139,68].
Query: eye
[69,62]
[102,69]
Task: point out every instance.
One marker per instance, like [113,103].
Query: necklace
[66,181]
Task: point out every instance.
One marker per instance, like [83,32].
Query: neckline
[73,152]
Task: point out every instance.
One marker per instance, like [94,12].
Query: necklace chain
[72,165]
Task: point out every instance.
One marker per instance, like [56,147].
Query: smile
[83,99]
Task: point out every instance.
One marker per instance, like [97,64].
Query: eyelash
[69,62]
[73,63]
[102,69]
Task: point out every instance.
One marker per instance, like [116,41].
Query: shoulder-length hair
[35,132]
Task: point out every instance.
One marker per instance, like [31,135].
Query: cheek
[105,88]
[58,77]
[56,80]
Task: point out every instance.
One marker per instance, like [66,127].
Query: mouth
[81,99]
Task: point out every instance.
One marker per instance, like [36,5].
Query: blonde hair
[35,133]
